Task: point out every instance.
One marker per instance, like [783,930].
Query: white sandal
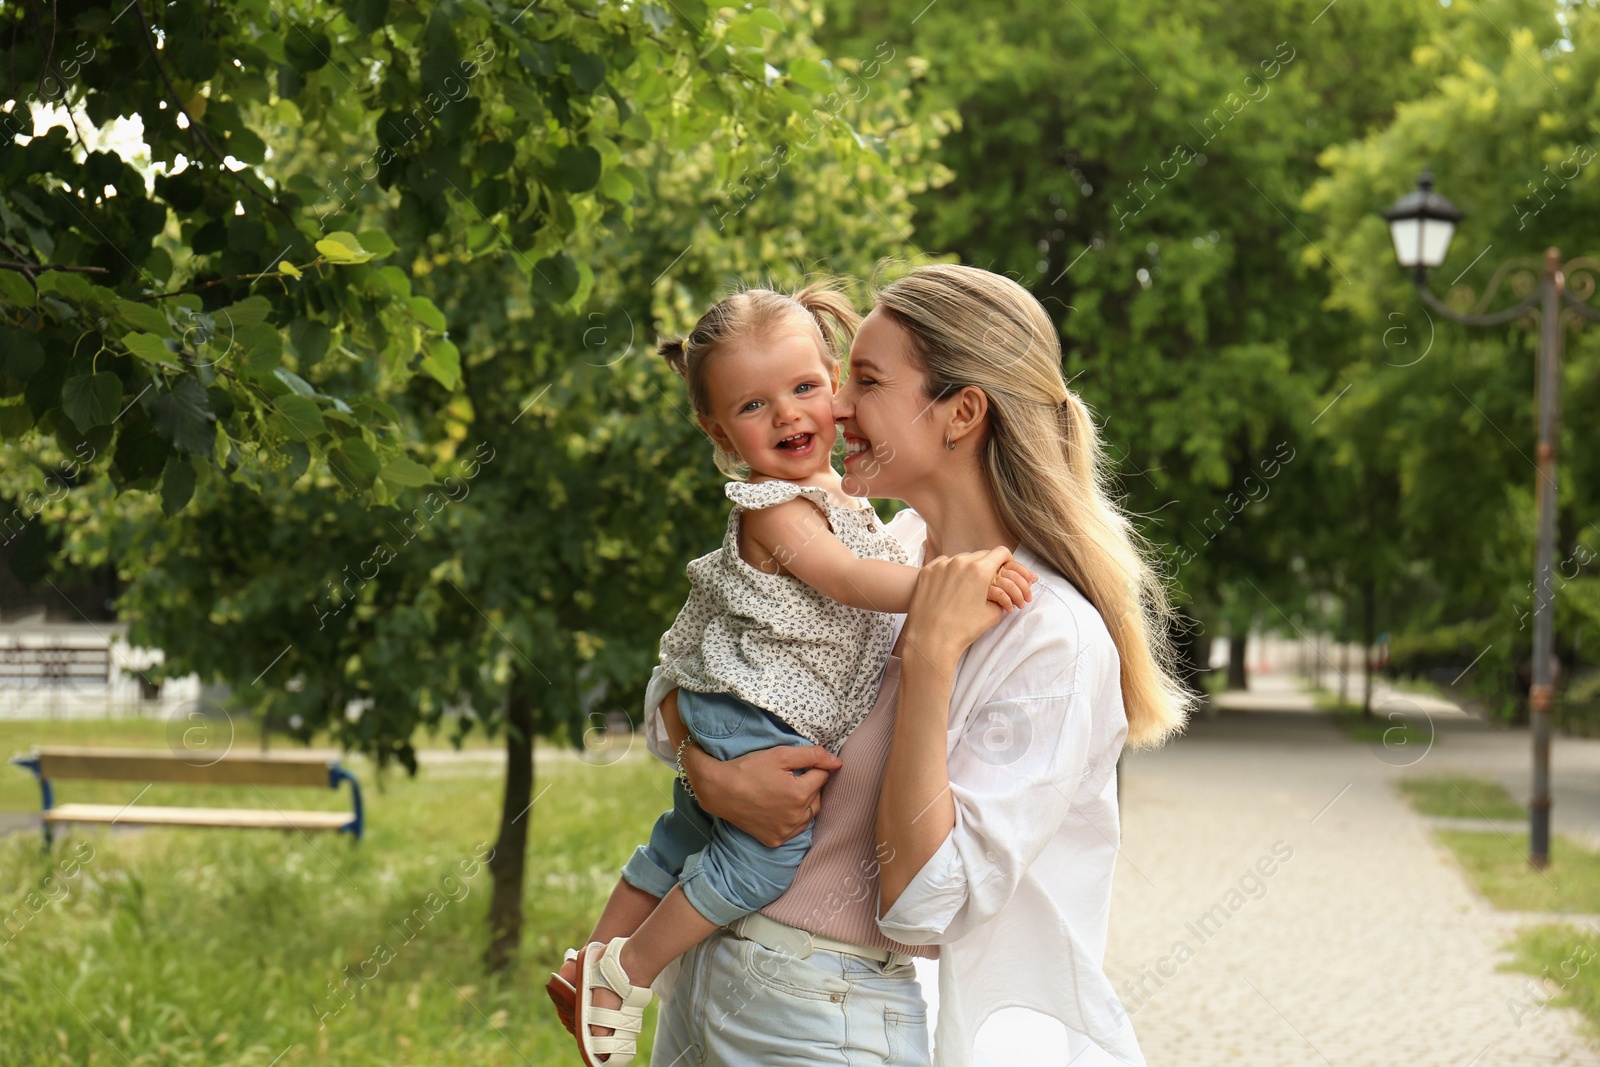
[599,968]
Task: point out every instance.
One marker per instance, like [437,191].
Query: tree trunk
[1238,647]
[1344,672]
[1369,637]
[509,861]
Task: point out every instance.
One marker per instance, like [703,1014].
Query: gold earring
[950,446]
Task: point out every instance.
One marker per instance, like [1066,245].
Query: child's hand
[1012,586]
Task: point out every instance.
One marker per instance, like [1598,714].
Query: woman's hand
[952,606]
[759,792]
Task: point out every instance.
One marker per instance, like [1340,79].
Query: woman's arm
[916,811]
[759,792]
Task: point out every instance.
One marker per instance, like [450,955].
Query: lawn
[1465,798]
[1564,961]
[249,948]
[1498,866]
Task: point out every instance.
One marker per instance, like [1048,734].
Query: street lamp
[1422,223]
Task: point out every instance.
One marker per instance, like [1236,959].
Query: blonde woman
[971,817]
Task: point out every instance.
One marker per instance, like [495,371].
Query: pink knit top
[835,891]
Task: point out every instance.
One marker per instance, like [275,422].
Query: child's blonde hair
[821,307]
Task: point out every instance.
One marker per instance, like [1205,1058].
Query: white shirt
[1019,893]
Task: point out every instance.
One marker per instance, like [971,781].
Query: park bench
[155,765]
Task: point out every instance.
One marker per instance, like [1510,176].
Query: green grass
[1564,961]
[1466,798]
[177,946]
[1498,866]
[1397,733]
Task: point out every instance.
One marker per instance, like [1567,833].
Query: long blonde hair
[821,306]
[1045,467]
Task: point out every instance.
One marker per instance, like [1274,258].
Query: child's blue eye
[804,385]
[751,406]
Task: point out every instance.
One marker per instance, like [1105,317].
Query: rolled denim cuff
[641,872]
[707,901]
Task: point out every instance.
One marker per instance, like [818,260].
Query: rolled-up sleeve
[655,728]
[1013,770]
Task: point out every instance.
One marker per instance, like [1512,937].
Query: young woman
[972,815]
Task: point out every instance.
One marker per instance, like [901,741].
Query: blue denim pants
[728,1002]
[725,873]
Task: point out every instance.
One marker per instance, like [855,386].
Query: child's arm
[796,536]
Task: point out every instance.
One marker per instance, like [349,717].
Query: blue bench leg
[337,774]
[47,795]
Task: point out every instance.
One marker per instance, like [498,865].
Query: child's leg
[733,874]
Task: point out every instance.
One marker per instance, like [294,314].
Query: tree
[1446,413]
[524,584]
[1139,166]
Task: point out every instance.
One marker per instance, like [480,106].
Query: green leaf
[615,187]
[20,353]
[246,312]
[184,417]
[555,279]
[294,381]
[343,248]
[300,416]
[151,349]
[143,317]
[15,288]
[577,168]
[767,18]
[69,284]
[442,362]
[811,74]
[355,462]
[310,339]
[377,242]
[307,50]
[91,399]
[427,314]
[402,471]
[258,347]
[588,71]
[177,485]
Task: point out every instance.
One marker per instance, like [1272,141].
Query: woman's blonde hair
[1046,468]
[821,306]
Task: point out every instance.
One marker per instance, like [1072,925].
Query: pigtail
[675,351]
[834,314]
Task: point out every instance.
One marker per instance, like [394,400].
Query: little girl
[782,641]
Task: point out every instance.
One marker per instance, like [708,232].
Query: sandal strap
[608,972]
[624,1020]
[602,1046]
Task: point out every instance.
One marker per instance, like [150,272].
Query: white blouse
[1019,893]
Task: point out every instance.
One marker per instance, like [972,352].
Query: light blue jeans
[728,1002]
[725,873]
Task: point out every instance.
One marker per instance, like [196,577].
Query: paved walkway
[1280,904]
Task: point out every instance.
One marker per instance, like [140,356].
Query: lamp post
[1421,224]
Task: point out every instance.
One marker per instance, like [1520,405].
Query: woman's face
[892,431]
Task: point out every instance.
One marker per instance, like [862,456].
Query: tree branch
[199,132]
[30,269]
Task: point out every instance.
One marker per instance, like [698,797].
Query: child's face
[772,402]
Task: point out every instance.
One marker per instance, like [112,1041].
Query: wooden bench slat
[237,818]
[155,765]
